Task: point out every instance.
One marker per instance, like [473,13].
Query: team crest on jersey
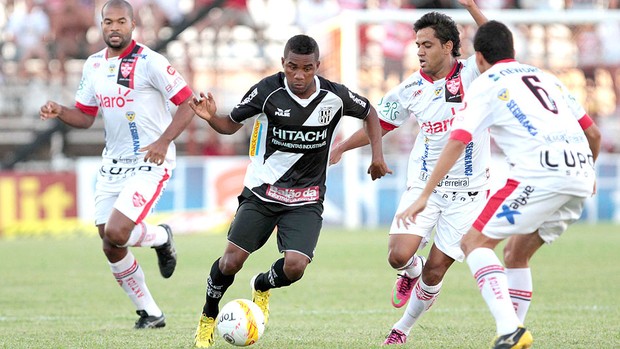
[111,68]
[453,86]
[126,68]
[438,91]
[131,116]
[325,115]
[503,95]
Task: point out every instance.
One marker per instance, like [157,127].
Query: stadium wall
[202,196]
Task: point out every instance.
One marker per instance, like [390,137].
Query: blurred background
[47,170]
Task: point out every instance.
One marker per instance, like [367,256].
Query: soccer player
[295,113]
[131,86]
[431,96]
[551,145]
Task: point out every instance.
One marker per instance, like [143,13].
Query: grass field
[59,293]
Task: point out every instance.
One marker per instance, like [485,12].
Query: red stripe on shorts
[494,201]
[147,207]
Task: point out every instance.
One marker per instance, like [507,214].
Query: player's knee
[294,270]
[513,259]
[116,236]
[230,266]
[397,260]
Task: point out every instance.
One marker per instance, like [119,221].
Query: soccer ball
[241,322]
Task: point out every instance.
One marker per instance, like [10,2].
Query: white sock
[520,289]
[130,277]
[413,268]
[491,279]
[422,298]
[144,234]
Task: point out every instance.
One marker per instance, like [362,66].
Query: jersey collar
[312,96]
[429,79]
[126,52]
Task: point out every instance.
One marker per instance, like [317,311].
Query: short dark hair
[118,3]
[445,29]
[494,41]
[302,45]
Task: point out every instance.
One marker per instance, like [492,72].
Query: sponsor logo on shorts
[293,195]
[510,210]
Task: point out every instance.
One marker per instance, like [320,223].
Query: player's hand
[335,155]
[156,151]
[378,169]
[409,215]
[50,110]
[204,107]
[467,3]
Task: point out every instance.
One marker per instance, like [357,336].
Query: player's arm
[448,157]
[378,168]
[206,109]
[156,151]
[71,116]
[593,135]
[356,140]
[474,11]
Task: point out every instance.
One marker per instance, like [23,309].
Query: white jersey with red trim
[434,104]
[535,121]
[132,91]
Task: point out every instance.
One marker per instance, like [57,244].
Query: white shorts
[132,189]
[522,208]
[451,213]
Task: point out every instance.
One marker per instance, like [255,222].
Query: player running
[296,114]
[131,86]
[550,144]
[431,96]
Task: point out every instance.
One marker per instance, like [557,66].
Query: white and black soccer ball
[241,322]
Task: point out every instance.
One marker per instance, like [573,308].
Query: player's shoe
[204,332]
[521,338]
[261,298]
[395,337]
[148,321]
[166,254]
[401,292]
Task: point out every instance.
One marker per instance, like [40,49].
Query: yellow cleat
[204,332]
[261,298]
[521,338]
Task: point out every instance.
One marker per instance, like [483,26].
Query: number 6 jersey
[535,121]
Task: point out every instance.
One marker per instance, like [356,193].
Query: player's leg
[404,242]
[426,291]
[136,201]
[130,276]
[113,229]
[250,229]
[517,253]
[298,234]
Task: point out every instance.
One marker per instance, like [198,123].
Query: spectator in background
[223,20]
[28,28]
[70,39]
[398,36]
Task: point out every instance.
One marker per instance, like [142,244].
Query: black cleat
[166,255]
[147,321]
[521,338]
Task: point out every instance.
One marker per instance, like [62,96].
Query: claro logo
[118,101]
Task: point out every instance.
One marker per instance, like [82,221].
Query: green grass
[59,293]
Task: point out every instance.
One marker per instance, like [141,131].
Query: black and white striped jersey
[291,138]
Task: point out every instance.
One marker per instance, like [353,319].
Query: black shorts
[298,226]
